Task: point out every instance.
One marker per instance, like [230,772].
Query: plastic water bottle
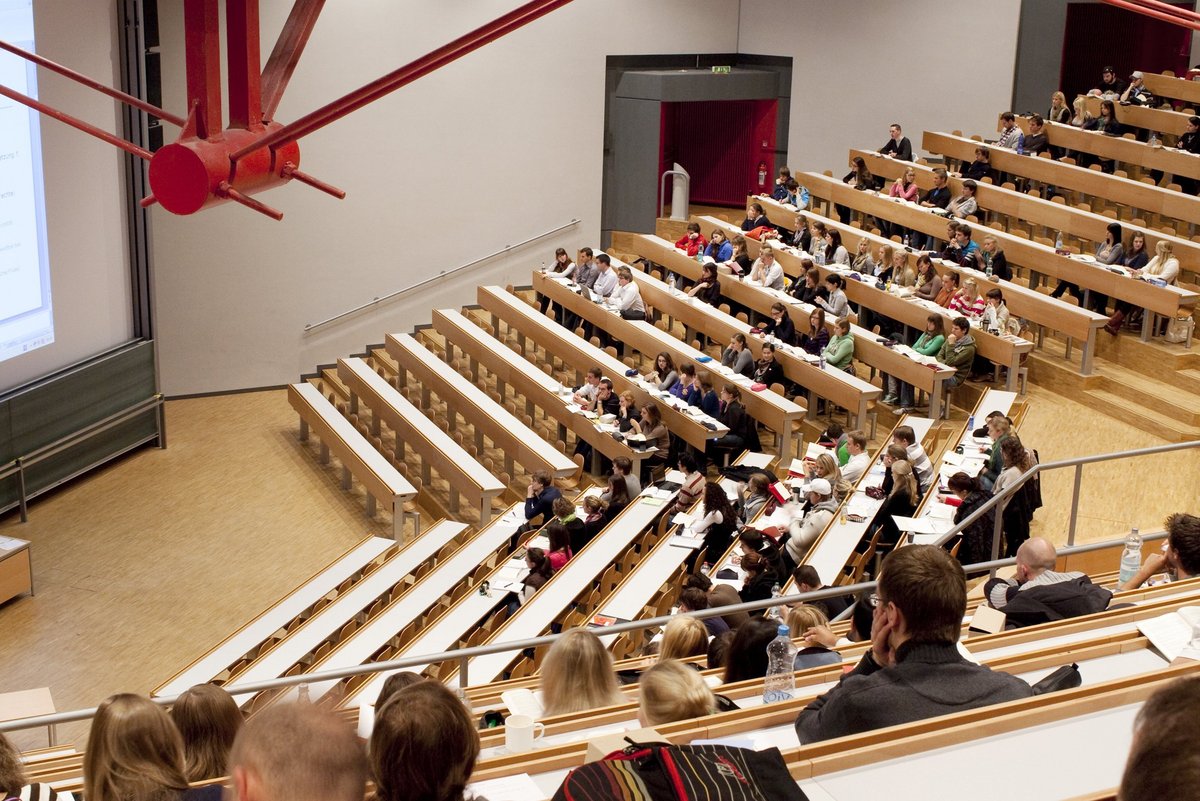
[671,284]
[1153,139]
[821,256]
[1131,558]
[1058,243]
[971,422]
[906,243]
[821,361]
[774,612]
[780,682]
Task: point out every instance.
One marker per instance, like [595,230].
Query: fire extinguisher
[762,174]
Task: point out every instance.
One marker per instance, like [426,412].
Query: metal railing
[998,501]
[311,327]
[464,655]
[21,463]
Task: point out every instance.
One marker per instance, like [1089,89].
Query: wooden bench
[436,449]
[1038,258]
[538,388]
[487,417]
[244,642]
[1166,85]
[1160,120]
[1126,197]
[533,326]
[359,458]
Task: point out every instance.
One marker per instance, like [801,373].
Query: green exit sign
[722,70]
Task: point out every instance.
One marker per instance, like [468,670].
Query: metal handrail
[18,465]
[310,327]
[463,655]
[1077,463]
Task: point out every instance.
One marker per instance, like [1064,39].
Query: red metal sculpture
[208,164]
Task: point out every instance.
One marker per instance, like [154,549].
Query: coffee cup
[520,733]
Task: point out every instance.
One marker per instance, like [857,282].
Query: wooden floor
[144,566]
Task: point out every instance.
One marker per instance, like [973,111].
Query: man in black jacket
[914,669]
[897,145]
[1039,594]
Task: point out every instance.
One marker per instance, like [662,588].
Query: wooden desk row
[1169,86]
[1037,211]
[774,411]
[359,458]
[1161,120]
[437,451]
[1144,195]
[532,325]
[528,381]
[1120,148]
[1039,258]
[488,418]
[1002,350]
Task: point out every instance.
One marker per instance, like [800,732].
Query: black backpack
[663,772]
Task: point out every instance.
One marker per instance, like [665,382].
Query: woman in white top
[995,314]
[1164,266]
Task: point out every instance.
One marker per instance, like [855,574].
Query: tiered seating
[1166,85]
[1137,157]
[1159,120]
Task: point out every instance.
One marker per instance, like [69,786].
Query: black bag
[663,772]
[1065,678]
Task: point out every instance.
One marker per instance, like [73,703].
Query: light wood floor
[144,566]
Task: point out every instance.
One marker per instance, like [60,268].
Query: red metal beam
[1145,11]
[202,50]
[286,54]
[1167,8]
[405,75]
[245,96]
[116,94]
[75,122]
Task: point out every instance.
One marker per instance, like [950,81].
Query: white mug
[520,732]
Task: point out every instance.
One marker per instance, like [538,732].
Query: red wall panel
[721,144]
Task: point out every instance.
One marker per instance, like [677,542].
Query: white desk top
[647,577]
[449,627]
[283,612]
[336,614]
[535,616]
[560,464]
[346,432]
[498,348]
[435,436]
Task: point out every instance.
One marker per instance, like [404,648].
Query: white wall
[488,151]
[85,215]
[860,65]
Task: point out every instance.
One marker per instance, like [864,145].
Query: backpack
[664,772]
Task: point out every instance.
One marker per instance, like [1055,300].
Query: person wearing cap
[1136,93]
[1109,83]
[804,531]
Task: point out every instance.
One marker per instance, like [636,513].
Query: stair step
[1189,379]
[1165,398]
[1139,416]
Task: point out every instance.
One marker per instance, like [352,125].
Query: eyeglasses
[873,600]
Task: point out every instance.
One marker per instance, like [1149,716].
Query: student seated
[694,599]
[1180,555]
[1039,594]
[692,242]
[913,670]
[683,637]
[14,783]
[1164,758]
[424,746]
[671,691]
[747,655]
[737,356]
[578,675]
[208,719]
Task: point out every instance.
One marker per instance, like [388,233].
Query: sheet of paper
[681,541]
[754,459]
[922,525]
[522,701]
[1171,633]
[675,476]
[520,787]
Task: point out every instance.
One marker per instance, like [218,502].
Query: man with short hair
[297,752]
[802,533]
[906,438]
[897,146]
[1039,594]
[1180,555]
[1109,84]
[694,599]
[856,446]
[540,496]
[586,269]
[591,383]
[606,401]
[718,595]
[1036,140]
[623,468]
[605,282]
[913,670]
[1164,758]
[627,299]
[965,204]
[808,580]
[958,351]
[1010,134]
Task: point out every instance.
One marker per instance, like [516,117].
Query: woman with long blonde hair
[671,691]
[134,753]
[683,637]
[578,674]
[826,467]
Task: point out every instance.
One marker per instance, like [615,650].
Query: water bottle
[774,612]
[906,243]
[821,256]
[671,284]
[1131,558]
[971,422]
[821,361]
[1058,243]
[1153,139]
[780,682]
